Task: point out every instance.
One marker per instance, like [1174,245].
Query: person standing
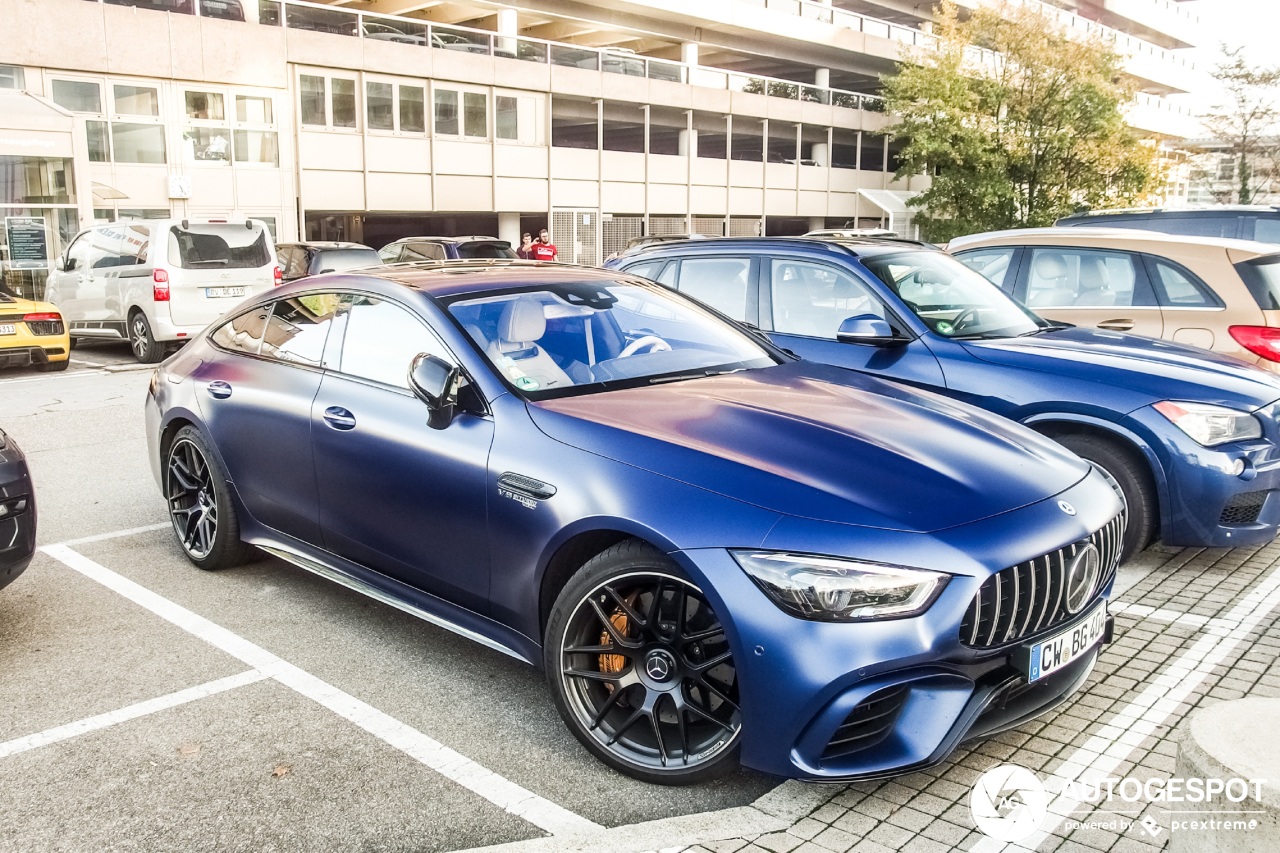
[544,249]
[525,251]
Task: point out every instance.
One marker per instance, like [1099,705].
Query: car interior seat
[1050,283]
[1095,283]
[516,351]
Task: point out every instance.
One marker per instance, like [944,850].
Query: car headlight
[1208,424]
[830,589]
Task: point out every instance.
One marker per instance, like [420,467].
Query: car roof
[467,239]
[322,244]
[1157,212]
[445,279]
[1085,236]
[857,246]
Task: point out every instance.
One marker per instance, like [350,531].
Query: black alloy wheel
[200,508]
[641,669]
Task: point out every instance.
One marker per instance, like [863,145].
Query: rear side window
[479,249]
[719,282]
[1177,287]
[299,327]
[422,252]
[244,332]
[1267,230]
[1262,277]
[337,260]
[218,246]
[646,269]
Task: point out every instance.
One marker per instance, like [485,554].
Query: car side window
[1266,230]
[1083,278]
[422,252]
[79,252]
[105,252]
[390,254]
[721,283]
[814,299]
[298,328]
[646,269]
[243,333]
[382,339]
[1179,288]
[135,244]
[992,264]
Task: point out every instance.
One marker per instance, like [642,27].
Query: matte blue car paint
[689,490]
[1105,380]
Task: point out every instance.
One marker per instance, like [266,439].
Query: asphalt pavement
[151,706]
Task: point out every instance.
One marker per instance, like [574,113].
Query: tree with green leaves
[1017,123]
[1246,120]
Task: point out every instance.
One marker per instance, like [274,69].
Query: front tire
[200,506]
[641,670]
[1134,482]
[146,348]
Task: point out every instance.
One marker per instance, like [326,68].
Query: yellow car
[32,333]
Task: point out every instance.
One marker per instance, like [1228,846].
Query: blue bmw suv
[718,553]
[1190,438]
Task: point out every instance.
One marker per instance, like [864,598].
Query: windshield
[951,299]
[563,339]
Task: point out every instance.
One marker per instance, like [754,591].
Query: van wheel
[145,347]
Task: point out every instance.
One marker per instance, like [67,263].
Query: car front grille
[1030,597]
[868,723]
[1243,509]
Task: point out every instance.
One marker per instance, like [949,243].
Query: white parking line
[1163,614]
[116,534]
[503,793]
[131,712]
[1115,741]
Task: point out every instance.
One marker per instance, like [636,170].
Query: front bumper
[1203,502]
[803,684]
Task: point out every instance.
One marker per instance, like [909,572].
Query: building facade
[370,121]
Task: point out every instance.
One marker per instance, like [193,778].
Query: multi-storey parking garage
[375,120]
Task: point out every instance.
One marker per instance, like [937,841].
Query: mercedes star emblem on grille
[1082,577]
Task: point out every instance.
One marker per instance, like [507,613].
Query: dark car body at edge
[17,512]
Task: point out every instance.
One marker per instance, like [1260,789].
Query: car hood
[1160,370]
[823,443]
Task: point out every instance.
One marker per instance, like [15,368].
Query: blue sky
[1254,24]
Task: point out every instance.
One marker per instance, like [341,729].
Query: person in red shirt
[544,249]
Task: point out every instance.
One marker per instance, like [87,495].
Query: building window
[205,106]
[78,96]
[475,115]
[506,117]
[209,144]
[312,89]
[413,109]
[379,104]
[36,180]
[344,102]
[136,100]
[257,146]
[12,77]
[446,112]
[137,143]
[99,141]
[254,110]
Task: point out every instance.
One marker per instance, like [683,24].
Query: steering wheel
[653,342]
[963,319]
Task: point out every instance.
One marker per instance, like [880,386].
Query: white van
[155,281]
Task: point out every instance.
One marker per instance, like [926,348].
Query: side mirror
[67,264]
[868,329]
[435,382]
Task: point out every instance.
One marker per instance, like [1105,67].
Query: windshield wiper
[700,374]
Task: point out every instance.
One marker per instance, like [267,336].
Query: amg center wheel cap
[660,666]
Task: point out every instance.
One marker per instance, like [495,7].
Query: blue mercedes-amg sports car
[718,553]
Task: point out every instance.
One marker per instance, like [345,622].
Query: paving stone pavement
[1188,594]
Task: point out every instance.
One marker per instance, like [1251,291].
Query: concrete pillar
[507,26]
[689,53]
[509,228]
[822,77]
[820,154]
[688,143]
[817,223]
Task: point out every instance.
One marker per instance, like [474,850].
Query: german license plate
[1051,655]
[8,329]
[219,292]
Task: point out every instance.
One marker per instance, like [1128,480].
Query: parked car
[1243,222]
[851,232]
[650,239]
[1206,291]
[32,332]
[384,32]
[719,553]
[298,260]
[155,282]
[1190,438]
[445,248]
[17,512]
[465,42]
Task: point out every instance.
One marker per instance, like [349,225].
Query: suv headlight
[1208,424]
[830,589]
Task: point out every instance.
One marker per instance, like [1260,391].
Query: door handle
[339,418]
[1117,325]
[219,390]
